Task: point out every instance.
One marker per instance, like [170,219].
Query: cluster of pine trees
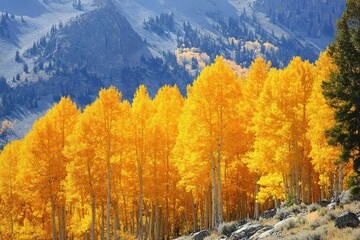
[161,167]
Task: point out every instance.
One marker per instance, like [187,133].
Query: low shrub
[313,207]
[228,228]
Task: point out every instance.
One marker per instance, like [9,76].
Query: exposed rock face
[266,234]
[284,215]
[284,223]
[347,219]
[200,235]
[331,205]
[268,213]
[314,18]
[246,231]
[262,233]
[101,40]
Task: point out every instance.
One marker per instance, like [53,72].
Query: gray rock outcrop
[347,219]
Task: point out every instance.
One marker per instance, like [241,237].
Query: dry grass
[319,225]
[312,217]
[213,236]
[313,207]
[269,222]
[345,233]
[352,207]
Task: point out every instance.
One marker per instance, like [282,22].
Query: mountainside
[307,18]
[102,41]
[53,48]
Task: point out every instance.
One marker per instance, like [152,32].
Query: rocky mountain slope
[101,40]
[322,220]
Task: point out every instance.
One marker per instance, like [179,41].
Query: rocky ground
[322,220]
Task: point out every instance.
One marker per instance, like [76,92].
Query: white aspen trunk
[297,187]
[303,199]
[156,225]
[215,214]
[64,221]
[152,222]
[116,221]
[160,224]
[310,187]
[108,202]
[52,202]
[141,200]
[256,204]
[341,177]
[195,228]
[93,214]
[244,206]
[207,212]
[166,227]
[219,186]
[61,236]
[336,183]
[126,225]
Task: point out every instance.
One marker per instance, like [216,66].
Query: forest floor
[322,220]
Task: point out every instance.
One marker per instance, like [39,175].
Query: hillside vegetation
[161,167]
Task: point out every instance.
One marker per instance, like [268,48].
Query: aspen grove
[160,167]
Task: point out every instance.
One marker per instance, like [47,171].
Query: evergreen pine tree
[342,92]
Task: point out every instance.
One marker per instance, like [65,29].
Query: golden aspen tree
[211,103]
[95,145]
[122,156]
[321,118]
[164,129]
[91,182]
[191,159]
[280,125]
[10,191]
[108,111]
[35,223]
[45,143]
[272,131]
[141,112]
[303,75]
[252,88]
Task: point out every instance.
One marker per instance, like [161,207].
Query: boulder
[246,231]
[268,213]
[284,215]
[347,219]
[266,234]
[200,235]
[242,222]
[260,232]
[331,206]
[286,223]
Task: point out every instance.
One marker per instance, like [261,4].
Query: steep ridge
[102,41]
